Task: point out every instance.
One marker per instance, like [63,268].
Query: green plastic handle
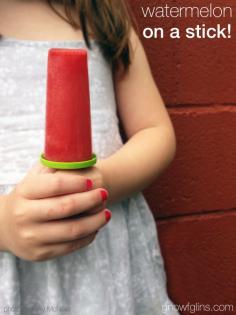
[68,165]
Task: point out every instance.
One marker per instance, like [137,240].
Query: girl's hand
[94,173]
[36,218]
[98,175]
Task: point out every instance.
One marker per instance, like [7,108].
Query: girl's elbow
[172,143]
[174,147]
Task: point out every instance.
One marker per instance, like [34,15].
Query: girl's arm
[152,143]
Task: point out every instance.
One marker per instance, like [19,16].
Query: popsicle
[68,141]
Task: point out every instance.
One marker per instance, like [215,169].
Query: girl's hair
[109,22]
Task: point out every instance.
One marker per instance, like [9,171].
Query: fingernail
[104,194]
[89,184]
[108,215]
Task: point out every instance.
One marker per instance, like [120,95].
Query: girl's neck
[34,20]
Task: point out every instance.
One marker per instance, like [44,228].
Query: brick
[199,253]
[206,67]
[202,176]
[190,71]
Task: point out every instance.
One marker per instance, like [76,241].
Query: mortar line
[195,214]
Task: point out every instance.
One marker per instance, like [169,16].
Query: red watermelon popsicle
[68,141]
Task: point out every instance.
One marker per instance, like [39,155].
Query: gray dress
[122,271]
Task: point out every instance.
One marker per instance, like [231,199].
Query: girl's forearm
[142,159]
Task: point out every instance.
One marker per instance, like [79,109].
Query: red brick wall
[194,201]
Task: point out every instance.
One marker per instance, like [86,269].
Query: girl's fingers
[72,230]
[66,206]
[58,250]
[45,185]
[92,211]
[89,212]
[38,168]
[70,247]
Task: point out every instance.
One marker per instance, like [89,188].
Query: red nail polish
[108,215]
[104,194]
[89,184]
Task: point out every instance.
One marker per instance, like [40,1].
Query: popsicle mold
[68,140]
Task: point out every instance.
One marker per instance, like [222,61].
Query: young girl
[50,261]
